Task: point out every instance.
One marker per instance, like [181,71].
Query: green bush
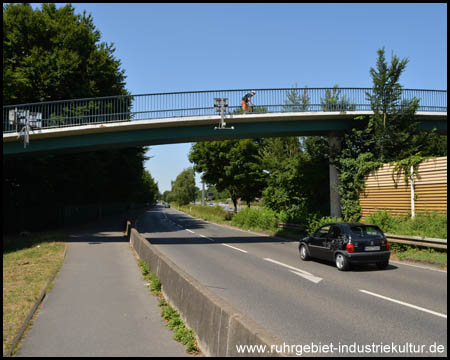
[175,323]
[295,214]
[263,219]
[314,222]
[382,219]
[216,213]
[424,224]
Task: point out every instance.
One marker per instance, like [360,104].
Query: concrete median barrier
[219,327]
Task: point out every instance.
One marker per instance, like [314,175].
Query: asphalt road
[379,312]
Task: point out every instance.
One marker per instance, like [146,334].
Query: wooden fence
[430,190]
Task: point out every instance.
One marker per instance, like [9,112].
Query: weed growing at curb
[169,314]
[176,324]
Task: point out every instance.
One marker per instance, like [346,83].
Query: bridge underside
[171,131]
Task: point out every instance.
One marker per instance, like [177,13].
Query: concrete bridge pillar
[334,142]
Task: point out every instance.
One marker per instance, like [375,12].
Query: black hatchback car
[346,244]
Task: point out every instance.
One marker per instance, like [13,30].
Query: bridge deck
[150,119]
[197,128]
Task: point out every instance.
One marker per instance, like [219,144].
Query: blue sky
[184,47]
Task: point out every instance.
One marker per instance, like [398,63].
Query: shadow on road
[357,268]
[160,223]
[160,240]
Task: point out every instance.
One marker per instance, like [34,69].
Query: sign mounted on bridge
[220,105]
[28,120]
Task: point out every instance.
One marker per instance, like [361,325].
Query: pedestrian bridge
[152,119]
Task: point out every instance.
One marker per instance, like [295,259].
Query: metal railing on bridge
[78,112]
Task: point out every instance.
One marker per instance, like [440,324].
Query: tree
[232,165]
[54,54]
[245,170]
[183,188]
[166,196]
[298,181]
[296,101]
[391,134]
[334,102]
[217,195]
[393,120]
[149,191]
[209,157]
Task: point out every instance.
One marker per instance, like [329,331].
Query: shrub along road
[306,302]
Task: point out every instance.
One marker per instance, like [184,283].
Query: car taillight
[387,245]
[350,248]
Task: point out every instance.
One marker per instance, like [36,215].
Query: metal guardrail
[401,239]
[418,241]
[291,226]
[63,113]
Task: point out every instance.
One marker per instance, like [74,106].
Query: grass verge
[28,264]
[421,255]
[169,314]
[216,213]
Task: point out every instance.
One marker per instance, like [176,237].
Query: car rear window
[365,232]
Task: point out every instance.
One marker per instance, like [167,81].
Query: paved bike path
[99,304]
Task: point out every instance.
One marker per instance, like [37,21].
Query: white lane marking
[299,272]
[417,266]
[235,248]
[312,278]
[203,236]
[405,304]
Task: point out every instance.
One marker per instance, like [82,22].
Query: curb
[34,308]
[219,327]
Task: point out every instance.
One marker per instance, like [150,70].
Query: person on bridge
[247,99]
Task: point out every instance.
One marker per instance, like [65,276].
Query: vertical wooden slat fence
[381,193]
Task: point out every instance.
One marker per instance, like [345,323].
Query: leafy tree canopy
[232,165]
[54,54]
[391,134]
[183,188]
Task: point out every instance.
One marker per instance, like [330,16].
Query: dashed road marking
[296,271]
[235,248]
[203,236]
[405,304]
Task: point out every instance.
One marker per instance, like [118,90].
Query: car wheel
[342,262]
[304,254]
[382,265]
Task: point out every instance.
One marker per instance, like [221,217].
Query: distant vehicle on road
[346,244]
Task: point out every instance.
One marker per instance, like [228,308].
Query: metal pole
[203,192]
[334,143]
[413,207]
